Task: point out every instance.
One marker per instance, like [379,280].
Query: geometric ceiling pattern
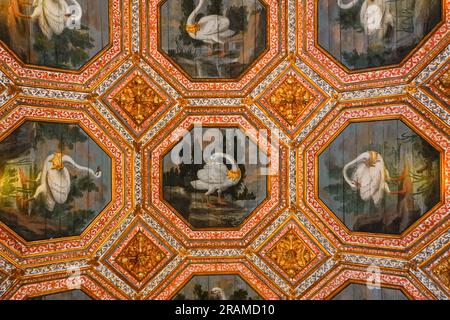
[102,110]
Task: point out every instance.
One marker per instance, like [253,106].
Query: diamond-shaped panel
[443,83]
[442,271]
[139,256]
[293,252]
[137,101]
[291,100]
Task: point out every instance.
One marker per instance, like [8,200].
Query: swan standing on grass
[54,16]
[55,179]
[209,29]
[215,176]
[369,178]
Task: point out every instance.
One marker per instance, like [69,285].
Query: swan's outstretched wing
[69,161]
[213,173]
[214,24]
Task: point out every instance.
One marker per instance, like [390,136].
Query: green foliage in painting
[350,18]
[214,7]
[67,214]
[179,296]
[238,18]
[66,50]
[199,293]
[240,294]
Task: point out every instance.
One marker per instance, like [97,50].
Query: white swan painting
[54,179]
[209,29]
[370,176]
[62,34]
[222,188]
[214,38]
[54,16]
[363,34]
[215,176]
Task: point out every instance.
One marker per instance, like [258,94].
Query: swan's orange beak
[193,28]
[234,174]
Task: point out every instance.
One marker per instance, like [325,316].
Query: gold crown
[234,174]
[193,28]
[57,161]
[373,156]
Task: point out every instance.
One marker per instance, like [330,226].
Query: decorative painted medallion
[291,100]
[140,256]
[442,272]
[443,83]
[291,254]
[137,100]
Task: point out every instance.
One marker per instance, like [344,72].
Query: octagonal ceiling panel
[63,181]
[201,54]
[372,34]
[67,49]
[359,44]
[251,43]
[49,41]
[221,190]
[356,291]
[379,176]
[217,287]
[211,177]
[376,209]
[217,279]
[55,180]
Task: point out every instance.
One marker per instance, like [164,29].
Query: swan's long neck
[347,5]
[233,163]
[351,163]
[81,168]
[191,18]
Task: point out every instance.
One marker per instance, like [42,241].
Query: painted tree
[66,50]
[214,7]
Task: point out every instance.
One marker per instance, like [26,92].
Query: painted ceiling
[93,102]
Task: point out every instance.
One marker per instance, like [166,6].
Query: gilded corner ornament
[138,99]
